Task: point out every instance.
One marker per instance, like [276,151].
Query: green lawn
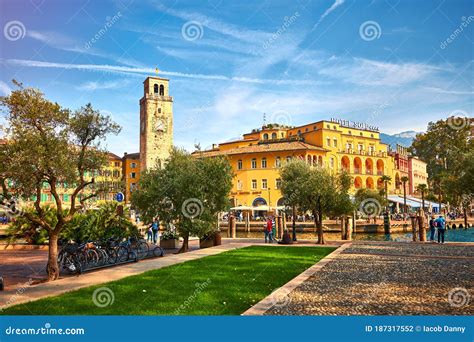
[224,284]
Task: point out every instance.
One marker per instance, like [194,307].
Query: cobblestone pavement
[389,279]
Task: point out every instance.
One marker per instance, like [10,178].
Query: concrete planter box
[215,240]
[169,244]
[206,243]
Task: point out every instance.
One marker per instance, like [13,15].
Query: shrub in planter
[210,239]
[169,239]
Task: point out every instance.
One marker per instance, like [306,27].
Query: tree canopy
[448,149]
[316,190]
[47,147]
[188,191]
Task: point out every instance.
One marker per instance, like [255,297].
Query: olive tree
[189,191]
[49,146]
[315,189]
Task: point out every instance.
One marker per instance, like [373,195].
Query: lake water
[456,235]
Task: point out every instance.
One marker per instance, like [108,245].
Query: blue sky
[396,64]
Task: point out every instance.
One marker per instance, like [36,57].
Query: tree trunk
[53,267]
[294,224]
[185,247]
[464,209]
[319,224]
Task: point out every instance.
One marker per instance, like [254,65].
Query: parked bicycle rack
[132,257]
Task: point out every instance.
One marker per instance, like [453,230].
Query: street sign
[119,197]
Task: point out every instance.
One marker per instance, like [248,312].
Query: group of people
[152,232]
[269,229]
[438,224]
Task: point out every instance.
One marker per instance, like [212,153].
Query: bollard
[421,228]
[386,222]
[233,232]
[413,226]
[280,226]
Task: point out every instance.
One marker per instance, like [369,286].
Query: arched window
[162,90]
[265,136]
[274,135]
[155,88]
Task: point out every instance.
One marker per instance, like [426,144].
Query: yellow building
[336,144]
[108,180]
[131,173]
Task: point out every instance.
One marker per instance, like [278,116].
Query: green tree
[316,190]
[369,202]
[448,148]
[189,192]
[386,181]
[422,189]
[49,146]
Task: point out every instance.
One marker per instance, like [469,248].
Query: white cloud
[149,71]
[375,73]
[93,86]
[335,5]
[4,89]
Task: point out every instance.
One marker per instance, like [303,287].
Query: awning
[258,208]
[399,200]
[242,207]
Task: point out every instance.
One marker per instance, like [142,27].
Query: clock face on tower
[160,125]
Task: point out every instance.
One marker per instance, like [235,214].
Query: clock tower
[156,123]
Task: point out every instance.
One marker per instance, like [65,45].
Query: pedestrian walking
[155,226]
[432,225]
[274,229]
[149,234]
[268,230]
[441,225]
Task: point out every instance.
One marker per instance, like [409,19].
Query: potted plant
[169,240]
[210,239]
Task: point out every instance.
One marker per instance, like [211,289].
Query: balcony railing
[358,171]
[363,153]
[379,172]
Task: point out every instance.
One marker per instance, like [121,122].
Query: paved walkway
[29,292]
[388,279]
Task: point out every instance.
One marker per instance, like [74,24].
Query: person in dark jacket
[432,228]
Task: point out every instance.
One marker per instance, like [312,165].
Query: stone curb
[268,302]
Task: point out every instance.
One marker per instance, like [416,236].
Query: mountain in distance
[402,138]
